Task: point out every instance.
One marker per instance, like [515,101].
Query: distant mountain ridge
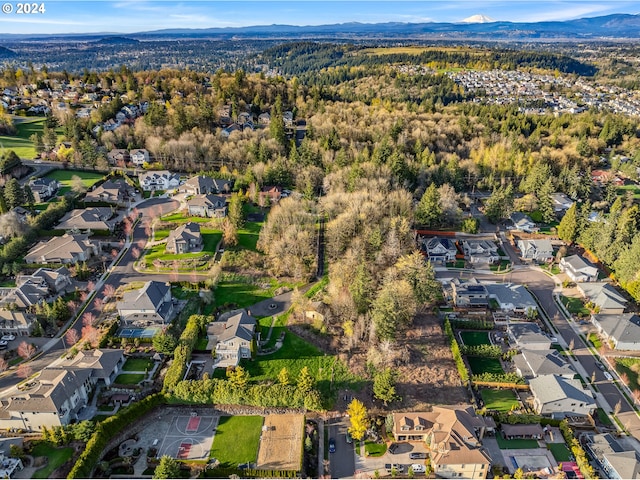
[476,26]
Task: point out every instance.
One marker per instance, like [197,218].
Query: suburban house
[623,330]
[118,156]
[274,194]
[16,323]
[184,239]
[514,431]
[159,180]
[604,296]
[202,185]
[538,250]
[614,458]
[57,281]
[207,206]
[70,248]
[139,156]
[480,251]
[232,337]
[532,363]
[440,250]
[264,118]
[561,397]
[512,297]
[523,222]
[30,290]
[55,397]
[95,218]
[151,304]
[528,336]
[578,270]
[117,193]
[43,188]
[561,202]
[453,435]
[469,293]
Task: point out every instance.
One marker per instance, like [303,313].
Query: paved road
[342,462]
[542,286]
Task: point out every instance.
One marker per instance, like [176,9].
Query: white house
[139,156]
[440,250]
[604,296]
[537,250]
[232,337]
[512,297]
[622,330]
[578,270]
[480,251]
[523,223]
[159,180]
[561,202]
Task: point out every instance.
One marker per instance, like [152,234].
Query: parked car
[600,366]
[348,437]
[418,468]
[3,344]
[417,456]
[332,445]
[394,466]
[8,337]
[392,448]
[608,376]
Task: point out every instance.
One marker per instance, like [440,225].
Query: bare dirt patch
[281,442]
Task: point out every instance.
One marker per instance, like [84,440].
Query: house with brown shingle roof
[69,248]
[184,239]
[453,435]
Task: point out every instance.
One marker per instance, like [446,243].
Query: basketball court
[147,332]
[189,437]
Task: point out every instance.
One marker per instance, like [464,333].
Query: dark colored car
[392,448]
[417,456]
[332,445]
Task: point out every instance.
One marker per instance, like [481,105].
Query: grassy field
[179,217]
[236,440]
[499,400]
[244,292]
[248,235]
[595,340]
[295,354]
[210,239]
[480,365]
[473,339]
[372,448]
[631,368]
[634,189]
[575,306]
[20,143]
[64,177]
[129,378]
[517,444]
[56,456]
[560,452]
[137,364]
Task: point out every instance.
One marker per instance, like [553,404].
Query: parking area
[401,456]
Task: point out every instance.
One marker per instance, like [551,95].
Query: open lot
[499,400]
[474,339]
[65,178]
[480,365]
[281,442]
[236,441]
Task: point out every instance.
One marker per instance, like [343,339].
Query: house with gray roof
[232,337]
[57,281]
[440,250]
[117,193]
[604,296]
[469,293]
[203,185]
[92,219]
[532,363]
[480,251]
[523,222]
[537,250]
[16,323]
[623,330]
[207,206]
[528,336]
[512,297]
[149,305]
[55,397]
[578,270]
[43,188]
[613,459]
[69,248]
[158,180]
[561,202]
[560,397]
[184,239]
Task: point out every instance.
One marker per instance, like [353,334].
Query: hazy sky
[127,16]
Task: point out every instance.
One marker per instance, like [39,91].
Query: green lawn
[179,217]
[129,378]
[480,365]
[56,456]
[603,417]
[631,368]
[560,452]
[244,292]
[330,373]
[210,239]
[137,365]
[517,444]
[593,338]
[374,449]
[20,143]
[575,306]
[499,400]
[634,189]
[474,339]
[500,267]
[89,179]
[248,235]
[236,440]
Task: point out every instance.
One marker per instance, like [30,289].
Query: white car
[607,375]
[418,468]
[8,337]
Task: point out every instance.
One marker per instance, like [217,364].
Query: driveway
[342,461]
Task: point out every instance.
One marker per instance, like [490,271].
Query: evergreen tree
[167,468]
[276,126]
[428,212]
[568,227]
[545,203]
[384,386]
[13,193]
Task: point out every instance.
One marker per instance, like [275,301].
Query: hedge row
[109,428]
[455,351]
[182,355]
[499,378]
[473,324]
[488,351]
[576,449]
